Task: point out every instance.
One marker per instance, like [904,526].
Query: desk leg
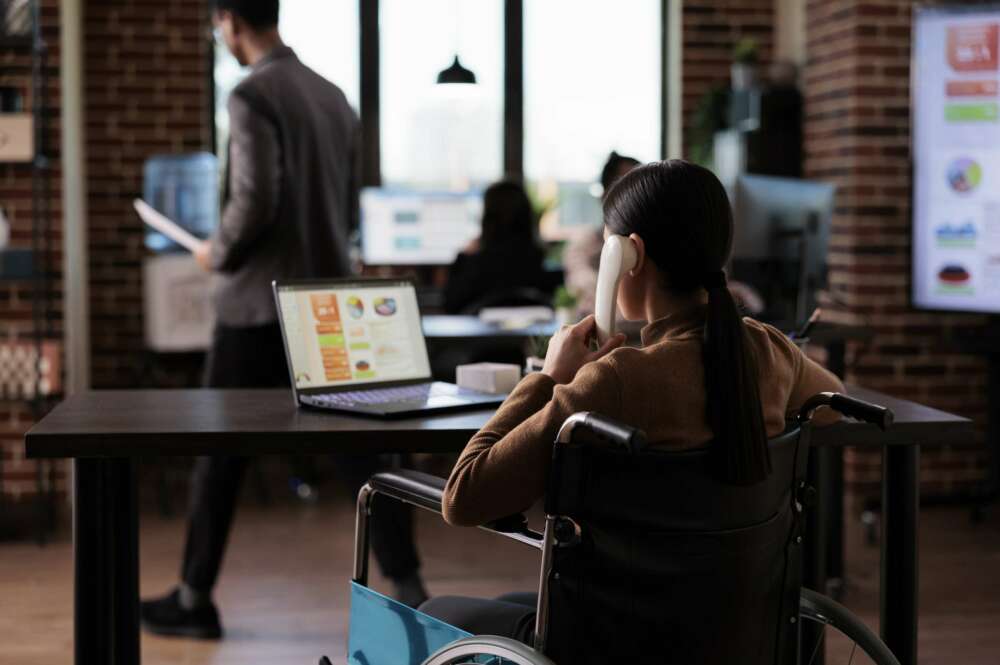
[900,514]
[106,561]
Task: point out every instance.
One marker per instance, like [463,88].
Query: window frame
[513,88]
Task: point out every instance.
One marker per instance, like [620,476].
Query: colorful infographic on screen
[354,334]
[956,153]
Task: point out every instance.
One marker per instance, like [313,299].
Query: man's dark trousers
[254,358]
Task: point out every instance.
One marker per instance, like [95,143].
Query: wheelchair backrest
[670,564]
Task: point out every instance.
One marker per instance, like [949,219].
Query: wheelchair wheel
[848,633]
[470,650]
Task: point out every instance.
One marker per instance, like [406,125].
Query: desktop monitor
[401,227]
[781,239]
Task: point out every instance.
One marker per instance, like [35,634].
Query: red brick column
[147,91]
[147,78]
[17,477]
[857,135]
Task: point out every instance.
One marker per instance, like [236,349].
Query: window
[324,36]
[440,136]
[592,84]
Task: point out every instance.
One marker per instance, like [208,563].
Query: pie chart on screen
[385,306]
[964,174]
[355,307]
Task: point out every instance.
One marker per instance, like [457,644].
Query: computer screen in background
[400,227]
[352,334]
[185,188]
[780,243]
[571,208]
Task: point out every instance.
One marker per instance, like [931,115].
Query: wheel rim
[841,637]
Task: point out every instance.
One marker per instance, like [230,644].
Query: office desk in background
[105,432]
[460,328]
[452,327]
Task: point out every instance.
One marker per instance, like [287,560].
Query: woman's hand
[569,350]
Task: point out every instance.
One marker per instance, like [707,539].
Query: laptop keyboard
[416,393]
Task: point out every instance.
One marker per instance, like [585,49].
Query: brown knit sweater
[659,387]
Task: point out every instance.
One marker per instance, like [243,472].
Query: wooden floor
[283,591]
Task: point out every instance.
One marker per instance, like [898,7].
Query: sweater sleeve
[810,378]
[504,467]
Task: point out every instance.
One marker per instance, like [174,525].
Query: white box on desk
[493,378]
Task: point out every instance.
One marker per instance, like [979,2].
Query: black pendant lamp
[456,73]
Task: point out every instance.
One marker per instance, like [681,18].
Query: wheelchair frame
[425,491]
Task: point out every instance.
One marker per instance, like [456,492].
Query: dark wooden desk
[106,431]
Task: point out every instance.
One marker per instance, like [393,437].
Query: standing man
[290,201]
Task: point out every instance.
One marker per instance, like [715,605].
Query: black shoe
[165,616]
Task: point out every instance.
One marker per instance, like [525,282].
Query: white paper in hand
[166,226]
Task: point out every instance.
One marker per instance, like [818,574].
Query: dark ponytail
[682,213]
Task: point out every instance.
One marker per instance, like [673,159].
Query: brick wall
[711,28]
[857,135]
[147,92]
[18,476]
[146,69]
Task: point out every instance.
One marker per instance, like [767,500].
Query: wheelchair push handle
[851,407]
[631,439]
[861,410]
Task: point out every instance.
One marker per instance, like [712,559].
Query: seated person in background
[505,257]
[583,251]
[703,375]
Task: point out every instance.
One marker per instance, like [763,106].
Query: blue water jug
[185,188]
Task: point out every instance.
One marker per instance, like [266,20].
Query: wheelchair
[645,557]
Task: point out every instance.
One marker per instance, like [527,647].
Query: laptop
[356,346]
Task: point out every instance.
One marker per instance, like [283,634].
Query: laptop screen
[347,333]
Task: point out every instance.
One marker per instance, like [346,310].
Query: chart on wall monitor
[956,139]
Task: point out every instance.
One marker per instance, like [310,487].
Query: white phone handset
[617,257]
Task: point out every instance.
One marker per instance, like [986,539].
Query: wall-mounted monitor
[956,158]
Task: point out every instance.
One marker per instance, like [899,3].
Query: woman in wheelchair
[702,374]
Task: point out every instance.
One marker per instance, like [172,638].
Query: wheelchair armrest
[415,487]
[516,528]
[425,491]
[515,523]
